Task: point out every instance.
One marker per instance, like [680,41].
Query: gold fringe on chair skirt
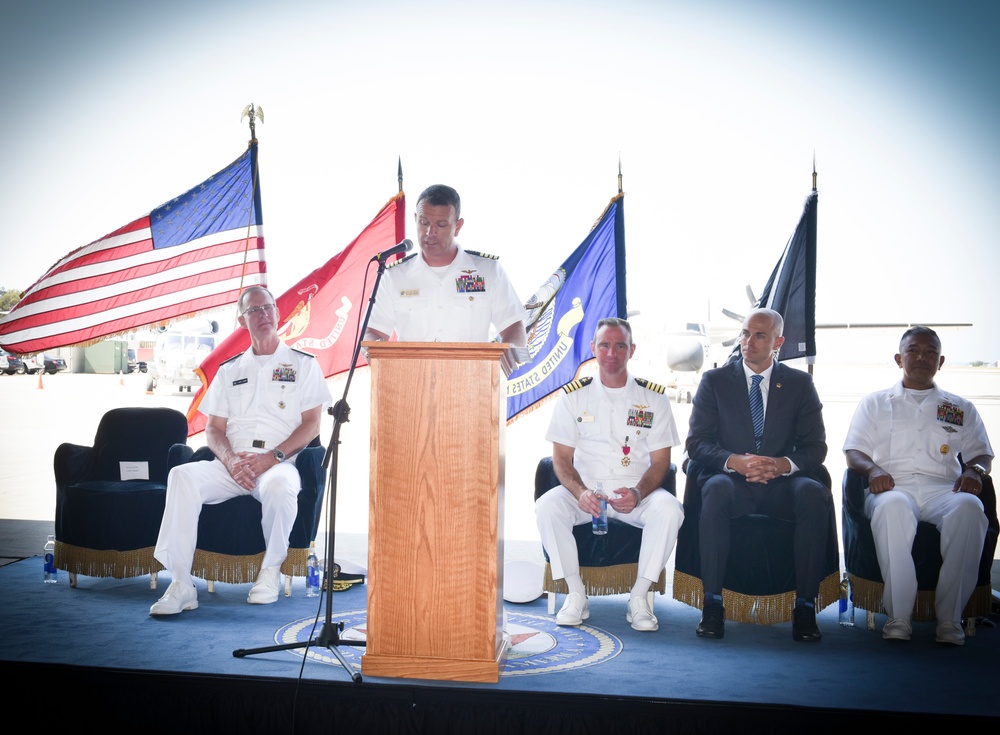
[137,562]
[233,569]
[613,580]
[105,562]
[756,609]
[868,596]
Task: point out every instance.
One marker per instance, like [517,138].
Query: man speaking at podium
[444,294]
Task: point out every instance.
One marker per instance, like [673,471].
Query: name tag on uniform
[241,381]
[585,419]
[410,292]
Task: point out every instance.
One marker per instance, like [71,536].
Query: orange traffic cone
[40,386]
[121,378]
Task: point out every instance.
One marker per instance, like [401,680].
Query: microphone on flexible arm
[404,247]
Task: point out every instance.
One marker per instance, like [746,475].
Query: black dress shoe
[713,621]
[804,626]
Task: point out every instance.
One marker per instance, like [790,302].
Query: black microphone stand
[329,636]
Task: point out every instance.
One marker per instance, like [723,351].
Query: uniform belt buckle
[258,444]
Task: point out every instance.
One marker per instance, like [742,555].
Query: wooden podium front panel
[435,536]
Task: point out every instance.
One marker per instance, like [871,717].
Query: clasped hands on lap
[246,467]
[757,468]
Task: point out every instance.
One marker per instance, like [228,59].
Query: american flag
[195,252]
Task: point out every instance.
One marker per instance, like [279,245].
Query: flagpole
[251,111]
[809,362]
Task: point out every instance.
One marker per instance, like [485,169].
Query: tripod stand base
[329,638]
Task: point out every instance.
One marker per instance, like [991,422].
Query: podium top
[437,350]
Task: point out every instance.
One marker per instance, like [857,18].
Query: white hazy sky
[715,107]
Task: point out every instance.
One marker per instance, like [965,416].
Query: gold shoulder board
[655,387]
[477,254]
[577,384]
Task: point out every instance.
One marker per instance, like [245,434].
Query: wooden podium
[435,528]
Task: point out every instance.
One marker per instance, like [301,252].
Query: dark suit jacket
[721,423]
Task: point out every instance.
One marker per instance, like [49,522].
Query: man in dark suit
[757,430]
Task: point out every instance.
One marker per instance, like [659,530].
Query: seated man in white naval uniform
[444,294]
[263,407]
[617,430]
[906,441]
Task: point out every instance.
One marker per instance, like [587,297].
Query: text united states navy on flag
[191,254]
[563,314]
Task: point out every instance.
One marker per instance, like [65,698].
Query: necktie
[756,408]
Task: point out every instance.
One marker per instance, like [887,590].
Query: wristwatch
[278,454]
[978,469]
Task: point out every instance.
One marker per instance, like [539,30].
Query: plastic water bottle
[50,560]
[846,603]
[600,523]
[312,575]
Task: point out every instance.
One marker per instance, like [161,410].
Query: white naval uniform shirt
[453,303]
[596,421]
[916,441]
[263,398]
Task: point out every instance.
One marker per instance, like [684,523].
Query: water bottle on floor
[50,560]
[312,574]
[846,602]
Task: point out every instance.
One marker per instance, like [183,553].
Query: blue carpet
[105,623]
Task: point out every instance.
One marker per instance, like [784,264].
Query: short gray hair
[613,321]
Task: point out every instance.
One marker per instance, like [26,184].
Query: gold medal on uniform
[945,449]
[281,404]
[625,450]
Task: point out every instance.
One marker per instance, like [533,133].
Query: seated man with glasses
[263,407]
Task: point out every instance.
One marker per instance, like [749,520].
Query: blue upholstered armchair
[230,540]
[759,585]
[866,576]
[106,525]
[609,563]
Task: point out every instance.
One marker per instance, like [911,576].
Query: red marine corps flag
[320,313]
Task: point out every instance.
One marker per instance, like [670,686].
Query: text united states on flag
[191,254]
[319,314]
[562,315]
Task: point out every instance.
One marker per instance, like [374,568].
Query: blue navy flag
[791,289]
[562,315]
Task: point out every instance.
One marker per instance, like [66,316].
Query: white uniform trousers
[959,518]
[659,515]
[191,485]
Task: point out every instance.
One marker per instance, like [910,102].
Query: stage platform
[93,655]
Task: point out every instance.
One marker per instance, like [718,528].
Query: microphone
[403,247]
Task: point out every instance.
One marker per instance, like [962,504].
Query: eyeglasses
[262,309]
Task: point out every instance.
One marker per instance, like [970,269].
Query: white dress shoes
[574,611]
[950,632]
[897,629]
[640,616]
[265,589]
[178,598]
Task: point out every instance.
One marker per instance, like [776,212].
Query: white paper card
[134,470]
